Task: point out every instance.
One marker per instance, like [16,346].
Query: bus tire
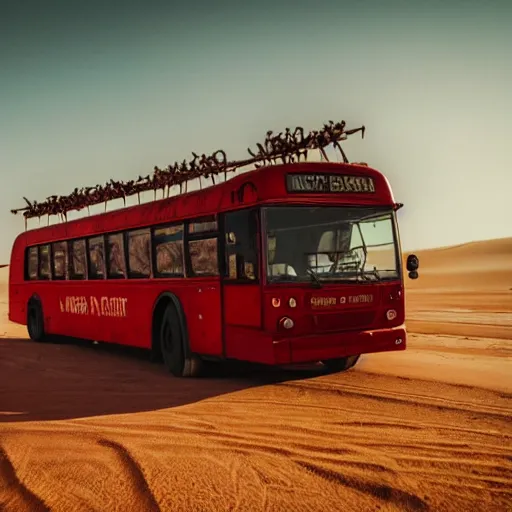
[172,345]
[35,320]
[341,364]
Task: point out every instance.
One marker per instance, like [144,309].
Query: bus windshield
[331,244]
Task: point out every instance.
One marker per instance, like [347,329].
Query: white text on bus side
[105,306]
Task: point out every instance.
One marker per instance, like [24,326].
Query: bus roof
[266,185]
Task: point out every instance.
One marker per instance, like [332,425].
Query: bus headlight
[286,323]
[390,314]
[292,303]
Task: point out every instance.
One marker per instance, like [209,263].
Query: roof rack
[288,147]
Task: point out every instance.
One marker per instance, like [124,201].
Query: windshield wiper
[364,274]
[314,277]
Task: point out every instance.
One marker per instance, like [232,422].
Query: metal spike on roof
[286,147]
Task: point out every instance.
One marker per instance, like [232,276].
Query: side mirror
[413,275]
[412,263]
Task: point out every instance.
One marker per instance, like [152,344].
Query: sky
[91,91]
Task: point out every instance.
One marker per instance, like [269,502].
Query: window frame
[130,274]
[204,235]
[39,276]
[72,276]
[106,247]
[27,263]
[65,277]
[386,209]
[256,211]
[203,219]
[88,258]
[167,275]
[216,232]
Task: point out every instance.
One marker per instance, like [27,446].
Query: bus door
[204,290]
[241,292]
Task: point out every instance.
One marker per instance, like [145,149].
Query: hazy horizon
[94,92]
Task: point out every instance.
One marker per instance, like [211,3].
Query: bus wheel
[341,364]
[172,345]
[35,320]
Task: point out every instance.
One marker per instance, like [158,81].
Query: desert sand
[89,427]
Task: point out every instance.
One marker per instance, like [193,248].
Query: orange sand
[89,427]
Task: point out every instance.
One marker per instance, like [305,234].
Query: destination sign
[329,183]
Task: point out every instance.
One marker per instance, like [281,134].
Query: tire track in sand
[146,500]
[18,497]
[403,500]
[398,397]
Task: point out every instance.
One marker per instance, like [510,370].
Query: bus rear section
[332,288]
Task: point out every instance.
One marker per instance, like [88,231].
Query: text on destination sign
[329,183]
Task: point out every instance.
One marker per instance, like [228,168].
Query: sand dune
[464,290]
[91,427]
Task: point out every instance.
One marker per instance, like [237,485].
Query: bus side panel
[93,310]
[250,344]
[242,305]
[72,308]
[201,303]
[110,311]
[243,323]
[121,312]
[17,310]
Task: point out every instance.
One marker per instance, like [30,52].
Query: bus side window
[116,256]
[203,247]
[203,225]
[78,260]
[168,243]
[60,260]
[44,262]
[204,257]
[32,264]
[96,257]
[139,253]
[241,245]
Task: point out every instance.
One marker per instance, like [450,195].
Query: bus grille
[344,321]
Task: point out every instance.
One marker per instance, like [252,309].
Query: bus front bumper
[314,348]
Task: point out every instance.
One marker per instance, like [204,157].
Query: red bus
[285,264]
